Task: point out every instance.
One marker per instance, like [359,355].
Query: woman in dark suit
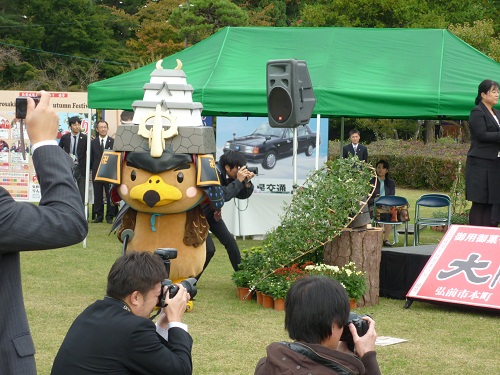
[482,174]
[383,186]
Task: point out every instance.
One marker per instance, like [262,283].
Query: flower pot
[259,297]
[279,304]
[352,304]
[242,292]
[267,301]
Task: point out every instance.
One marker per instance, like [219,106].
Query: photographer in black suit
[235,182]
[57,221]
[115,335]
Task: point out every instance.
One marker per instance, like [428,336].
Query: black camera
[361,328]
[166,285]
[254,170]
[22,106]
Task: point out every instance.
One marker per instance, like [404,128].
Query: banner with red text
[464,269]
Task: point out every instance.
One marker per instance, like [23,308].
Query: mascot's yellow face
[166,192]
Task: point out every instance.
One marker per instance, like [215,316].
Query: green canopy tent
[355,72]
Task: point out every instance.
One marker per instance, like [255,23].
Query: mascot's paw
[189,306]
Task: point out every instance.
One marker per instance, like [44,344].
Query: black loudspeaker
[290,96]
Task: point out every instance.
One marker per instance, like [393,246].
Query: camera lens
[189,284]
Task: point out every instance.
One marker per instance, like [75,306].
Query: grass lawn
[231,335]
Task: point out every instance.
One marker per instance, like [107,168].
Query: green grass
[231,335]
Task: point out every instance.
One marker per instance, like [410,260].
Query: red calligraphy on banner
[464,269]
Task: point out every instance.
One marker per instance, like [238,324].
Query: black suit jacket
[361,151]
[81,148]
[484,132]
[58,221]
[96,153]
[108,339]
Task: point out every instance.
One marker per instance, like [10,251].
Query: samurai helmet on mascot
[163,168]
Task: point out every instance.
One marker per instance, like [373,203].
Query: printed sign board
[464,269]
[17,174]
[271,149]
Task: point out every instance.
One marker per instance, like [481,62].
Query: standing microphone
[126,236]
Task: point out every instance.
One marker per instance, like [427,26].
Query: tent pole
[87,173]
[341,136]
[294,185]
[318,123]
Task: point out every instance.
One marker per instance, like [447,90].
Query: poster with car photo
[270,149]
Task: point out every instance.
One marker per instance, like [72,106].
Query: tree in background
[62,45]
[155,36]
[127,6]
[280,13]
[67,44]
[395,13]
[481,35]
[197,20]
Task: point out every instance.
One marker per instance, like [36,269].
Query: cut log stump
[364,248]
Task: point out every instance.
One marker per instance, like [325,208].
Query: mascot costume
[163,168]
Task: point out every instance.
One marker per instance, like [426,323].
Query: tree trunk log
[364,248]
[430,131]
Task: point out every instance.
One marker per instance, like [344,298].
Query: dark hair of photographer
[232,159]
[137,271]
[331,306]
[124,339]
[316,316]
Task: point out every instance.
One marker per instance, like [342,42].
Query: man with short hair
[235,183]
[115,335]
[316,311]
[97,146]
[75,144]
[57,221]
[355,148]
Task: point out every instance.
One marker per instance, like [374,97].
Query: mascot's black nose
[151,197]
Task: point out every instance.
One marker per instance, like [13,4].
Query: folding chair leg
[396,239]
[406,233]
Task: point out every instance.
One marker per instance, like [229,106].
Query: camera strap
[156,311]
[311,354]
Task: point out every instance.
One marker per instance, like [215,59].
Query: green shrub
[319,211]
[414,164]
[456,218]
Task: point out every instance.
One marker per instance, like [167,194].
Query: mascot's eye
[180,177]
[133,176]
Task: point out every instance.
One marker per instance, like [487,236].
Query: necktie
[102,145]
[355,148]
[74,145]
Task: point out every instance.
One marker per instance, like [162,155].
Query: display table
[255,215]
[400,267]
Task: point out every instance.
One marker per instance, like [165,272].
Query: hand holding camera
[359,334]
[176,302]
[42,122]
[245,173]
[173,298]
